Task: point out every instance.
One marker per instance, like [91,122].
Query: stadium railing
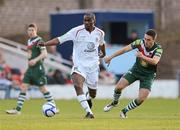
[16,56]
[17,49]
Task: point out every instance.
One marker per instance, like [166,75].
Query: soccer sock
[131,106]
[83,101]
[20,101]
[48,97]
[116,96]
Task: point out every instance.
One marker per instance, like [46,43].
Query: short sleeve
[136,43]
[41,47]
[158,52]
[102,41]
[69,36]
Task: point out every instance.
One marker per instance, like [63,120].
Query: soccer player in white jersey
[87,41]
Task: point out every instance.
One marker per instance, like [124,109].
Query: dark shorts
[35,76]
[145,80]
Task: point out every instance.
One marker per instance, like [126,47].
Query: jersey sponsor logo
[143,63]
[90,47]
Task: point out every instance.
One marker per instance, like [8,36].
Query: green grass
[154,114]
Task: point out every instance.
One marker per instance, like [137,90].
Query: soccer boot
[57,111]
[13,112]
[123,115]
[89,116]
[110,106]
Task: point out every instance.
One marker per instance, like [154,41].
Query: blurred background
[122,20]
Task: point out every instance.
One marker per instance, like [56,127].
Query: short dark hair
[152,33]
[33,25]
[91,15]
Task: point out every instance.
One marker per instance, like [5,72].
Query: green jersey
[142,66]
[35,50]
[35,75]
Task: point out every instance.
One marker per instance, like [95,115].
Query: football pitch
[154,114]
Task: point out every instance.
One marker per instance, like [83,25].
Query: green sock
[20,101]
[116,96]
[132,105]
[48,97]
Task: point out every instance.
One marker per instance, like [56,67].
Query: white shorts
[91,76]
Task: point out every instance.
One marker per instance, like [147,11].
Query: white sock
[83,101]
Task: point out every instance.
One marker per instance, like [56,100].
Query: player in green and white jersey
[35,74]
[148,55]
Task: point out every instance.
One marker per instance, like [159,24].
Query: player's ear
[94,21]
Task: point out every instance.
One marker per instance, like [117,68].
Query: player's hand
[41,43]
[139,54]
[107,60]
[32,62]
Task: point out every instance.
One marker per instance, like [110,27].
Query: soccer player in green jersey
[35,74]
[148,55]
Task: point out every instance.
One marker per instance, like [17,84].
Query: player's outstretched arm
[52,42]
[125,49]
[121,51]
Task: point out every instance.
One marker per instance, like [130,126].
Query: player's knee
[23,88]
[77,84]
[79,89]
[120,86]
[43,89]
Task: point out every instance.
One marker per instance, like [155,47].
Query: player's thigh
[39,78]
[78,80]
[78,75]
[27,76]
[146,82]
[92,79]
[126,80]
[40,81]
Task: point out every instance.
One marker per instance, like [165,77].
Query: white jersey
[85,45]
